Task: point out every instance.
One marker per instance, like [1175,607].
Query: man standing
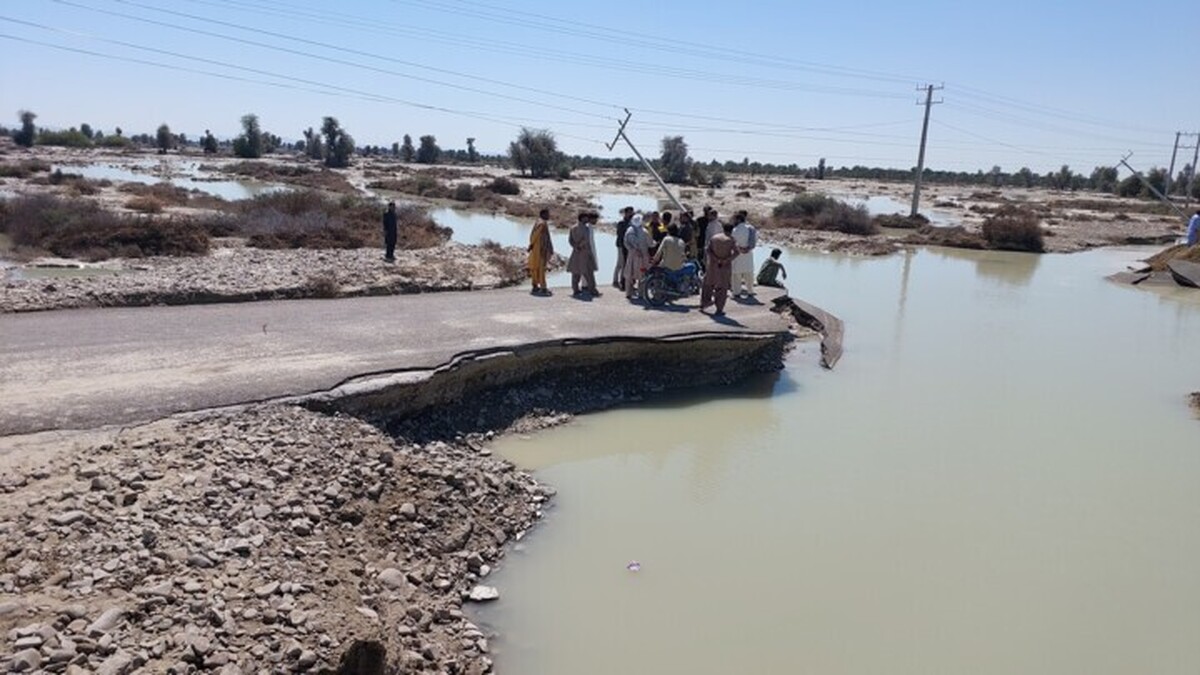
[622,228]
[717,278]
[582,263]
[1193,235]
[715,226]
[540,250]
[637,256]
[389,232]
[746,238]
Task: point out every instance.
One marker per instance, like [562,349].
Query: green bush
[463,192]
[1013,228]
[804,206]
[842,217]
[71,138]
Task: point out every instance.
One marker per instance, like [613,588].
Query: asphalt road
[79,369]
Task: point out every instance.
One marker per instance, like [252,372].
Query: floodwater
[999,477]
[475,228]
[182,174]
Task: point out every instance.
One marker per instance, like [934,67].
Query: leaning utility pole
[621,135]
[916,203]
[1171,171]
[1153,190]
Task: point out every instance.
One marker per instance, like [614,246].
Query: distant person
[701,231]
[655,227]
[637,255]
[664,226]
[582,263]
[541,248]
[746,238]
[1193,235]
[389,232]
[715,226]
[719,275]
[687,232]
[672,252]
[622,228]
[768,274]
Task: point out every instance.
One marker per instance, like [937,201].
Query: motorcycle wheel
[654,290]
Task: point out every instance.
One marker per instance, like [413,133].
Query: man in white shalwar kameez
[746,238]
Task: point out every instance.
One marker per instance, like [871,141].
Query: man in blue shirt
[1193,236]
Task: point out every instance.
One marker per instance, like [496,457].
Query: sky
[1037,84]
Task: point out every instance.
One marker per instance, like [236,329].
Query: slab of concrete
[78,369]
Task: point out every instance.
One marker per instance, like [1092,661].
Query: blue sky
[1033,84]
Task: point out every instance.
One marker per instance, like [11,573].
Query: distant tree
[118,132]
[164,139]
[1158,178]
[181,140]
[696,175]
[429,152]
[472,155]
[821,169]
[25,136]
[535,151]
[717,179]
[996,176]
[1103,179]
[98,136]
[675,160]
[209,143]
[1130,186]
[396,149]
[1062,179]
[86,130]
[313,147]
[271,143]
[338,144]
[1180,184]
[407,152]
[249,145]
[1024,177]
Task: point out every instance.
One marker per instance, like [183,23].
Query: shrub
[165,193]
[115,142]
[804,206]
[563,172]
[896,221]
[249,145]
[674,159]
[428,152]
[145,204]
[24,137]
[309,219]
[75,227]
[1013,228]
[463,192]
[503,185]
[842,217]
[23,168]
[71,138]
[717,180]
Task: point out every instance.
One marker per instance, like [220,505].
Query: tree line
[535,153]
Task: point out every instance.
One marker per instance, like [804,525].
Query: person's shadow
[670,308]
[726,320]
[746,300]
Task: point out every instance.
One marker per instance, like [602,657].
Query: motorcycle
[661,285]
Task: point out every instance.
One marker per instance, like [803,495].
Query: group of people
[724,251]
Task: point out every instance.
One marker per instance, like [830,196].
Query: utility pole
[621,135]
[929,102]
[1171,171]
[1150,187]
[1187,188]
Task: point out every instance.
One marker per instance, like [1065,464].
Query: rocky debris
[234,273]
[208,569]
[484,594]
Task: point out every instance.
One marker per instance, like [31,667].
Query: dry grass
[896,221]
[81,228]
[165,193]
[147,204]
[818,212]
[508,264]
[323,286]
[953,237]
[23,169]
[293,174]
[309,219]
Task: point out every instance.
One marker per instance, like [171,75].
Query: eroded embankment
[284,538]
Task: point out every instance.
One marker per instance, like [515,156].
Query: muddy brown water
[999,477]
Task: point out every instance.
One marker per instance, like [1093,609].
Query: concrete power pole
[929,102]
[1171,171]
[621,136]
[1187,189]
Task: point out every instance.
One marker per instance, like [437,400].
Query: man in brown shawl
[718,272]
[582,263]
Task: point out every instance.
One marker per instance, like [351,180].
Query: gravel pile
[273,539]
[234,273]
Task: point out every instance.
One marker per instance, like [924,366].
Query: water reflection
[1008,267]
